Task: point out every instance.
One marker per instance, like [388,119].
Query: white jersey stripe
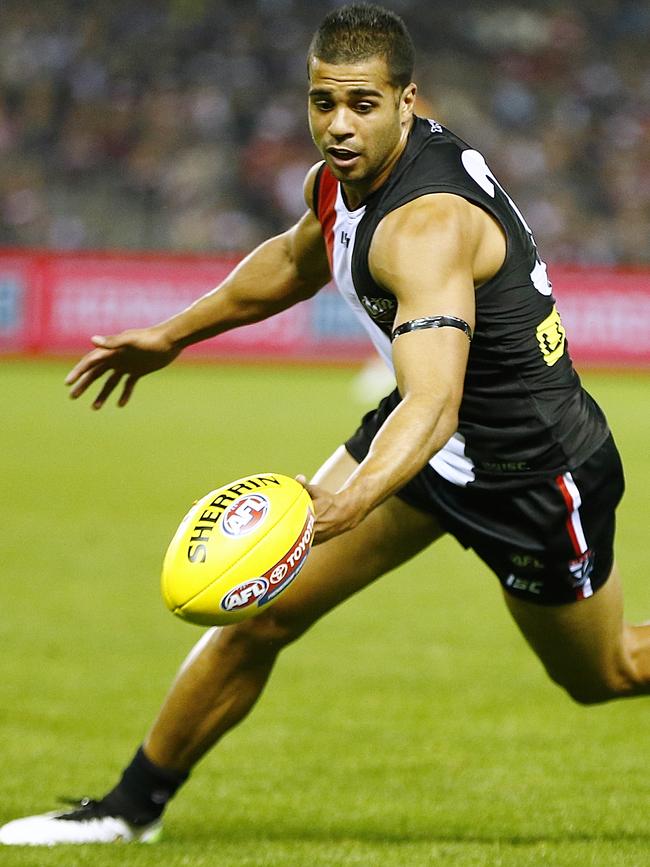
[345,230]
[452,463]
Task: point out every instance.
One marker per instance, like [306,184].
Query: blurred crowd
[180,124]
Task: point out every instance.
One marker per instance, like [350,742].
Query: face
[359,121]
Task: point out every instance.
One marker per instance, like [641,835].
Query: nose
[340,125]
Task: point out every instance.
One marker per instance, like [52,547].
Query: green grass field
[411,727]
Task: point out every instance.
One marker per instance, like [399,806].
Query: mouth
[342,157]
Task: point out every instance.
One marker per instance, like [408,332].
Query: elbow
[438,423]
[445,428]
[450,410]
[447,413]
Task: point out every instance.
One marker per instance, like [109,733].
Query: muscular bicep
[289,268]
[305,240]
[306,249]
[423,253]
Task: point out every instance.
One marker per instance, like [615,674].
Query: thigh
[581,644]
[335,570]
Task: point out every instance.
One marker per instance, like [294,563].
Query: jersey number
[476,167]
[551,337]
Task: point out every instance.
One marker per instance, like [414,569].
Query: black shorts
[550,542]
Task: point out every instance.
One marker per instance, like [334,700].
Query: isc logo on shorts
[245,514]
[525,584]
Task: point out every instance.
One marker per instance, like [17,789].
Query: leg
[225,673]
[586,647]
[227,670]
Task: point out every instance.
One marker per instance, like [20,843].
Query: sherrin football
[238,549]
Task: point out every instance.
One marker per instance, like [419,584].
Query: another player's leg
[586,647]
[224,675]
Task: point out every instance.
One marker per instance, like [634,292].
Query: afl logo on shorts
[245,515]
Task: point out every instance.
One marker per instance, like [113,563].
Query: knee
[263,636]
[587,693]
[588,688]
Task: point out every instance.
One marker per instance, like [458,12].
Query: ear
[407,102]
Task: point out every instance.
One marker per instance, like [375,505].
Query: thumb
[312,490]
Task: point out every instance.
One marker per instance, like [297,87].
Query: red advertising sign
[22,318]
[606,314]
[54,302]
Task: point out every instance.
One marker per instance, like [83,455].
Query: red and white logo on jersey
[245,515]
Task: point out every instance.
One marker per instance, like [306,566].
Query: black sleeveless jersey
[524,414]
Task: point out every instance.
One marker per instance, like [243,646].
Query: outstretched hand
[127,356]
[334,513]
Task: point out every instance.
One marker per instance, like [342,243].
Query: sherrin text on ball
[238,549]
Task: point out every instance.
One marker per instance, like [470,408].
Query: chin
[349,177]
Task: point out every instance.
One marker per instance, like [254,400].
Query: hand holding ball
[238,549]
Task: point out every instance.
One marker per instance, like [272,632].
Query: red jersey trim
[326,190]
[573,523]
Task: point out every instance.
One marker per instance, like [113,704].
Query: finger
[88,378]
[107,389]
[127,391]
[90,360]
[313,490]
[321,534]
[114,341]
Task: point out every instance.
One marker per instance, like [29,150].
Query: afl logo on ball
[245,515]
[245,594]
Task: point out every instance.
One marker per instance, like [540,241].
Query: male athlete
[489,435]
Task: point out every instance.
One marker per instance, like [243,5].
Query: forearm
[264,283]
[406,442]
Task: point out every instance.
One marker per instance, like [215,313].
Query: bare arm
[279,273]
[425,254]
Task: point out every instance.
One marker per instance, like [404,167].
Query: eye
[364,106]
[322,104]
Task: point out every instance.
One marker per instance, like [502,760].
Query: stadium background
[411,727]
[180,125]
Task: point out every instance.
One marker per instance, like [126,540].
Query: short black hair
[361,31]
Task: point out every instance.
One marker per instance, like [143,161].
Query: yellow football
[238,549]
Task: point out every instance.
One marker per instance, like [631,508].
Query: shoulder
[444,230]
[430,217]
